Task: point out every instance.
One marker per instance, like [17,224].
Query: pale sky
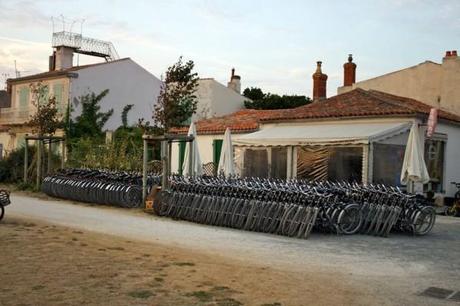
[272,44]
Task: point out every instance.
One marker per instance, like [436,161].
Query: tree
[177,101]
[46,120]
[254,93]
[91,121]
[262,100]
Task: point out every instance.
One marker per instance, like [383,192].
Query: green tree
[91,121]
[124,114]
[177,101]
[261,100]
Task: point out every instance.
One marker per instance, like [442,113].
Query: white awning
[323,134]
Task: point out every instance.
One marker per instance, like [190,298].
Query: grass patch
[183,264]
[141,294]
[203,296]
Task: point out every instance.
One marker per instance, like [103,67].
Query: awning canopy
[323,134]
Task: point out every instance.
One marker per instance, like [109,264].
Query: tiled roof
[352,104]
[242,121]
[360,103]
[55,73]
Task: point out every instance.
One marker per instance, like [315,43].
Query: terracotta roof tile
[355,103]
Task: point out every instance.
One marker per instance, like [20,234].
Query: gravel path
[395,269]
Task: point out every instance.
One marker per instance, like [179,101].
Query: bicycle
[4,201]
[454,210]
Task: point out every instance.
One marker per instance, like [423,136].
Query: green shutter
[217,148]
[57,92]
[24,97]
[182,145]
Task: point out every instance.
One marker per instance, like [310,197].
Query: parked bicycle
[4,201]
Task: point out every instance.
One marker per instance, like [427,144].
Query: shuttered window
[24,97]
[58,93]
[217,148]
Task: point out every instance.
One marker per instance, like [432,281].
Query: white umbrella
[192,161]
[414,167]
[226,161]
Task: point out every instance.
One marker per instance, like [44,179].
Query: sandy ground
[46,264]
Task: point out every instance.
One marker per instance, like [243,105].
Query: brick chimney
[235,82]
[349,72]
[319,83]
[52,61]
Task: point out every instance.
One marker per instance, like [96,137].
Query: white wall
[452,156]
[215,99]
[128,83]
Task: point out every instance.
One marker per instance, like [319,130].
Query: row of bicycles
[118,188]
[295,208]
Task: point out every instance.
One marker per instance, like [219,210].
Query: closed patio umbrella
[226,161]
[192,162]
[414,167]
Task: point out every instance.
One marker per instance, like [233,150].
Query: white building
[356,136]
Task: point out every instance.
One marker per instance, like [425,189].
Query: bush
[12,167]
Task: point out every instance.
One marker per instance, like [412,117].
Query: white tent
[226,161]
[192,162]
[414,167]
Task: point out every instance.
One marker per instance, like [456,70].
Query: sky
[272,44]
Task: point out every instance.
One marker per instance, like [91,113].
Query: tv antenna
[18,73]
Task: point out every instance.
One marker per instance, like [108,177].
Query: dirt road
[45,264]
[393,271]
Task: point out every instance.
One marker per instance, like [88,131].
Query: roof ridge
[381,96]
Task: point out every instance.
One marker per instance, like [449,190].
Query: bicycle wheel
[2,211]
[350,219]
[424,222]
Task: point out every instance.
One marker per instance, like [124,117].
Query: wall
[450,89]
[452,156]
[128,83]
[215,99]
[204,147]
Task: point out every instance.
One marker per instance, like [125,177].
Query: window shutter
[217,148]
[182,145]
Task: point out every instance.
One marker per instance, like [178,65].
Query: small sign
[432,122]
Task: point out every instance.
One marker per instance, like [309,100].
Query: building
[216,99]
[359,135]
[127,82]
[431,83]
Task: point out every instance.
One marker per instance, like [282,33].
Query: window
[387,164]
[58,93]
[345,164]
[434,159]
[182,145]
[216,150]
[24,97]
[255,163]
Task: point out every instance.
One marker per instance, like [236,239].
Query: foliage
[12,167]
[177,101]
[91,120]
[262,100]
[46,120]
[124,114]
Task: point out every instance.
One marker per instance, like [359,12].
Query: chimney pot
[454,52]
[448,53]
[235,82]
